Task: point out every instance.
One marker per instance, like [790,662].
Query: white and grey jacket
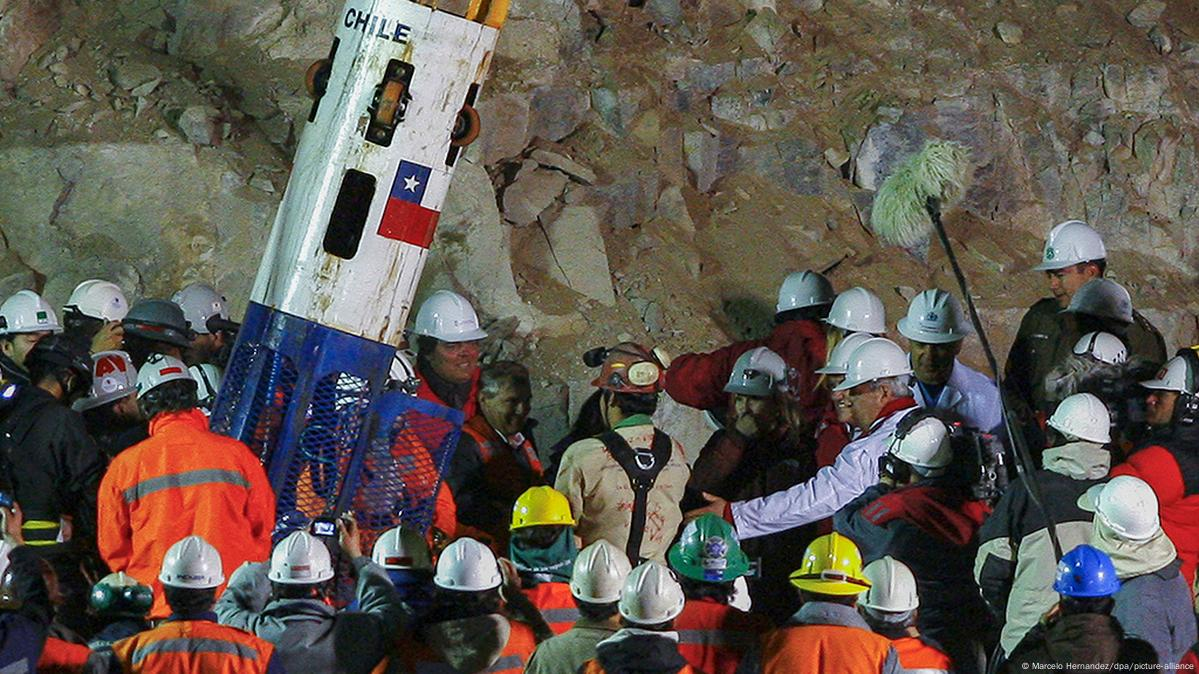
[855,469]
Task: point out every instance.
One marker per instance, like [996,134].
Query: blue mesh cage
[310,401]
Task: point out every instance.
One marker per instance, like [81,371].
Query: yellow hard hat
[832,565]
[541,506]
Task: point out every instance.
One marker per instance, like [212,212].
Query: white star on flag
[411,183]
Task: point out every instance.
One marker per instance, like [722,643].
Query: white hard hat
[804,289]
[934,317]
[300,559]
[208,382]
[892,587]
[402,548]
[877,358]
[467,565]
[113,378]
[924,445]
[1127,505]
[1083,416]
[1103,347]
[1070,243]
[599,573]
[26,311]
[98,299]
[201,302]
[1104,298]
[651,595]
[1175,376]
[192,563]
[160,368]
[838,359]
[758,373]
[858,310]
[447,316]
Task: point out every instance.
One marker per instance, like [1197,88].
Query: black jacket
[54,466]
[1082,638]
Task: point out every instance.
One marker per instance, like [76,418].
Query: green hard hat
[708,551]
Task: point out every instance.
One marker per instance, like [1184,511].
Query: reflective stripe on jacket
[183,480]
[714,637]
[193,646]
[799,649]
[556,604]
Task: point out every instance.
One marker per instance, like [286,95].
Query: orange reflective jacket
[917,656]
[713,637]
[814,649]
[193,647]
[62,657]
[556,604]
[180,481]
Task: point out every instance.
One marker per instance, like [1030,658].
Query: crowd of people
[859,507]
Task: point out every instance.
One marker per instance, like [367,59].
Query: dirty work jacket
[601,497]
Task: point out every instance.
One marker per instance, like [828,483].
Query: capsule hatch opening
[348,219]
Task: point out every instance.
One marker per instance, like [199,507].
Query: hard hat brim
[1126,320]
[917,335]
[741,389]
[468,336]
[1089,500]
[780,308]
[1161,385]
[84,404]
[849,383]
[1054,265]
[1103,440]
[838,588]
[283,580]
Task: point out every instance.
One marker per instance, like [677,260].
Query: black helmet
[63,350]
[159,321]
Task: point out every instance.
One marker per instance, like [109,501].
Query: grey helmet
[158,321]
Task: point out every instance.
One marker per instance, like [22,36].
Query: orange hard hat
[629,367]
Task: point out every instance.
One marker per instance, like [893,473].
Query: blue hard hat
[1086,572]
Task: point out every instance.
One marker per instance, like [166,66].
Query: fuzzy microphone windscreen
[941,170]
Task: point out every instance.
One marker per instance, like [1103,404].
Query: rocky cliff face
[647,173]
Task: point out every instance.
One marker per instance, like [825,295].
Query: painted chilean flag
[404,218]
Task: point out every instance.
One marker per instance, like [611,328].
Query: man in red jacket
[697,379]
[1169,459]
[182,480]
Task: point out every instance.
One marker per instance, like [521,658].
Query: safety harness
[642,467]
